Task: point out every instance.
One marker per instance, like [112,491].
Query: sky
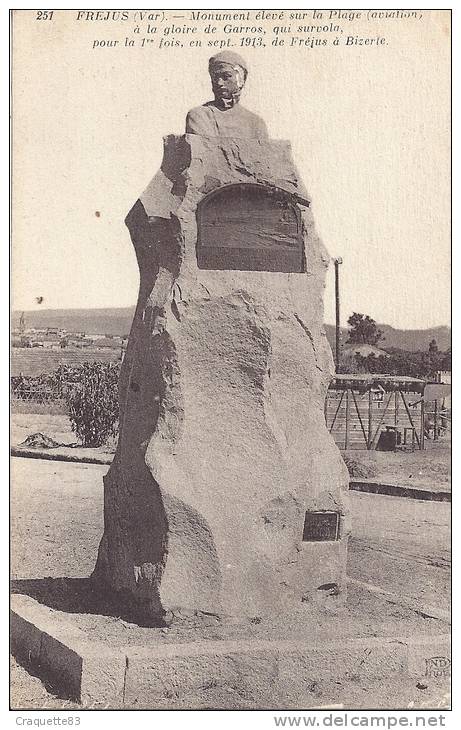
[369,128]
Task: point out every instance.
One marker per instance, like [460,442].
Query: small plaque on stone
[321,526]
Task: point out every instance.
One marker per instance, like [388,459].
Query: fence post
[436,418]
[370,419]
[346,439]
[421,438]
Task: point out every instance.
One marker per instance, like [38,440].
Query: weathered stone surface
[223,445]
[255,674]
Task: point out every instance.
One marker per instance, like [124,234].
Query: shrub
[92,400]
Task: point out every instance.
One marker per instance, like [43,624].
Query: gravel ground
[428,469]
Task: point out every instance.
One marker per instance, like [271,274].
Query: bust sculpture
[224,116]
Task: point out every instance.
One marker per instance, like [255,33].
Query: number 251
[44,15]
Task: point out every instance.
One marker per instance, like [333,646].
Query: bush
[92,400]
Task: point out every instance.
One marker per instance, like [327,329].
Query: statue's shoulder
[200,111]
[199,119]
[247,112]
[256,122]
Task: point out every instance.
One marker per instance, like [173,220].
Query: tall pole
[337,261]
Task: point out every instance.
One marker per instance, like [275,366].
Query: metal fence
[27,394]
[41,394]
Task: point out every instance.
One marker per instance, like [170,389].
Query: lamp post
[337,263]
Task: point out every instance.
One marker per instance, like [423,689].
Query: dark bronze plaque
[249,227]
[321,526]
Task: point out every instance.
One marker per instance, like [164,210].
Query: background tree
[446,360]
[436,358]
[363,330]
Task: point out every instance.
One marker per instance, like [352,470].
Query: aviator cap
[233,59]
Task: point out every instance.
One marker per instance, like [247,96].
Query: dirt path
[402,545]
[428,469]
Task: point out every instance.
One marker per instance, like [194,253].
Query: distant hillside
[410,340]
[363,350]
[117,321]
[114,321]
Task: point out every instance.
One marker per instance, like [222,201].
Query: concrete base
[186,670]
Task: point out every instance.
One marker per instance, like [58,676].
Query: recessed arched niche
[250,227]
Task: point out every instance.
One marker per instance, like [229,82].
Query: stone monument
[226,495]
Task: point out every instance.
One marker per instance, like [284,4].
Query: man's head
[228,72]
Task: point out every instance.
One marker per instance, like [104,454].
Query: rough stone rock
[223,445]
[39,441]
